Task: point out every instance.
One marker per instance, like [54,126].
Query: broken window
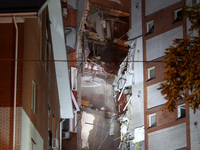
[151,73]
[152,120]
[178,15]
[181,111]
[150,27]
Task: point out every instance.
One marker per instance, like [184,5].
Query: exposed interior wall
[71,39]
[156,46]
[168,138]
[72,3]
[156,5]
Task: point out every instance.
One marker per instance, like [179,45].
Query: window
[47,56]
[152,120]
[151,73]
[33,145]
[74,79]
[181,111]
[150,27]
[178,14]
[41,46]
[194,2]
[33,104]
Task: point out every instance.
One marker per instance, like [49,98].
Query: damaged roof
[21,6]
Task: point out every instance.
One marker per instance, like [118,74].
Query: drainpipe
[15,81]
[61,122]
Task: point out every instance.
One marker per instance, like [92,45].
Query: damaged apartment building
[117,71]
[96,40]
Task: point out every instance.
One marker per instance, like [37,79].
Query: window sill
[150,79]
[180,118]
[151,127]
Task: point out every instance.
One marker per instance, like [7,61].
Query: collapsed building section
[103,29]
[96,40]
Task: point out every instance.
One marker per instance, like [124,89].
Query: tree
[182,76]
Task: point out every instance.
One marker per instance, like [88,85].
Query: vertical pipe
[15,81]
[61,125]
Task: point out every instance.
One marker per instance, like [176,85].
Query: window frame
[149,74]
[176,17]
[150,30]
[33,144]
[47,56]
[74,73]
[150,122]
[33,99]
[179,107]
[40,19]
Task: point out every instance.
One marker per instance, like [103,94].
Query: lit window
[150,27]
[152,120]
[33,97]
[181,111]
[178,15]
[151,73]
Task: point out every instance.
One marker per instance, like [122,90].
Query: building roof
[21,6]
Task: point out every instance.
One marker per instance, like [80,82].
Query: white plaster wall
[169,138]
[194,118]
[136,19]
[29,132]
[137,102]
[152,6]
[154,96]
[156,46]
[59,52]
[195,130]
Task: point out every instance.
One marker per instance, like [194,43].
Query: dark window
[150,27]
[178,15]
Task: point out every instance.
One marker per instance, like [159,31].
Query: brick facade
[163,22]
[30,68]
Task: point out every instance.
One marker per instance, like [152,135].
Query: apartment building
[155,24]
[35,93]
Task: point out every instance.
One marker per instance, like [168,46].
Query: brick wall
[163,23]
[47,96]
[7,49]
[30,68]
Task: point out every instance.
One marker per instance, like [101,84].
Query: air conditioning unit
[55,143]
